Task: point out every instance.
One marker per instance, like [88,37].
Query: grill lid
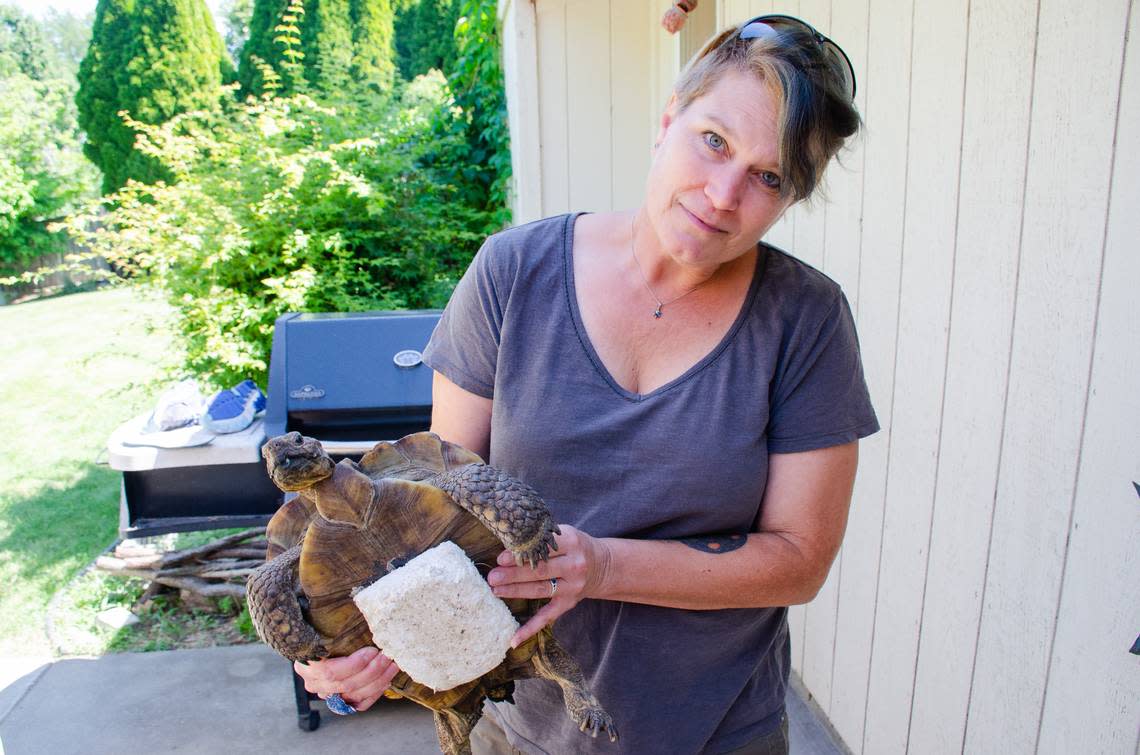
[350,379]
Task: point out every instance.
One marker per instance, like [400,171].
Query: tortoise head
[296,462]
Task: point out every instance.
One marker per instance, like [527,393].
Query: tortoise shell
[353,522]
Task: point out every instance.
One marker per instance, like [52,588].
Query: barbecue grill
[349,380]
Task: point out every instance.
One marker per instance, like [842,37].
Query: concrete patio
[227,699]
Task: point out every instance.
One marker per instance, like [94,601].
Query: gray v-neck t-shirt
[688,459]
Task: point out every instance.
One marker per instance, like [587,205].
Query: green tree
[23,47]
[425,36]
[373,60]
[153,59]
[68,37]
[43,175]
[344,44]
[477,84]
[262,47]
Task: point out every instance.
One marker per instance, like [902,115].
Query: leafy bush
[280,205]
[43,174]
[477,81]
[42,171]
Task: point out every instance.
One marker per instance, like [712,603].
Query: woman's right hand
[360,678]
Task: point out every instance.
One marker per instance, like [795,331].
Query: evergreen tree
[326,41]
[343,44]
[373,61]
[262,46]
[425,36]
[153,59]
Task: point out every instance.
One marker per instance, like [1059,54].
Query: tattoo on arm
[715,543]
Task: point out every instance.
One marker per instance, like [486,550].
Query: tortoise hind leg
[554,663]
[509,508]
[454,730]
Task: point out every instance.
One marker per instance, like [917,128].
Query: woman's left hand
[579,565]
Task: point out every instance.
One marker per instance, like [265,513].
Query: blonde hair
[816,113]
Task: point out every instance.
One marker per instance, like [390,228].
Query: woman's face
[714,186]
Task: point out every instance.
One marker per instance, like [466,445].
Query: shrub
[278,204]
[43,175]
[477,81]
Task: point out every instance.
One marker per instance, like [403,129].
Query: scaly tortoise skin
[353,522]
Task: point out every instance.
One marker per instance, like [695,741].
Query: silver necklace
[656,298]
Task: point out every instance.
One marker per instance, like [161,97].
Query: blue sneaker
[234,410]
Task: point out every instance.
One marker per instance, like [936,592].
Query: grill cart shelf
[221,484]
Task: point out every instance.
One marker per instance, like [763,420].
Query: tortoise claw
[595,721]
[540,551]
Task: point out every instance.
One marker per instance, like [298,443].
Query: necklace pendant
[657,313]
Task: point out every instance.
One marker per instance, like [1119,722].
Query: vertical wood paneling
[520,80]
[587,106]
[886,116]
[1071,123]
[937,80]
[995,133]
[808,233]
[736,11]
[552,98]
[757,7]
[1099,616]
[630,57]
[700,26]
[843,183]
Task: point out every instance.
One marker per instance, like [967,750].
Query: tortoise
[353,522]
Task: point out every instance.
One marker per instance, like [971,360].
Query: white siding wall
[986,229]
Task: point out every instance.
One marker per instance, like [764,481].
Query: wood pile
[214,570]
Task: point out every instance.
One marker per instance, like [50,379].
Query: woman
[687,400]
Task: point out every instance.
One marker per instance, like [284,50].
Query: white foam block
[437,618]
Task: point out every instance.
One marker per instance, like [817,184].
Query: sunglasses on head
[767,27]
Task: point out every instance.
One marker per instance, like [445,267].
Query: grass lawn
[74,367]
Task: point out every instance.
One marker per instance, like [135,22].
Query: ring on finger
[553,586]
[337,705]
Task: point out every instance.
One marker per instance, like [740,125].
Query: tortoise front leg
[554,663]
[272,593]
[509,508]
[454,730]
